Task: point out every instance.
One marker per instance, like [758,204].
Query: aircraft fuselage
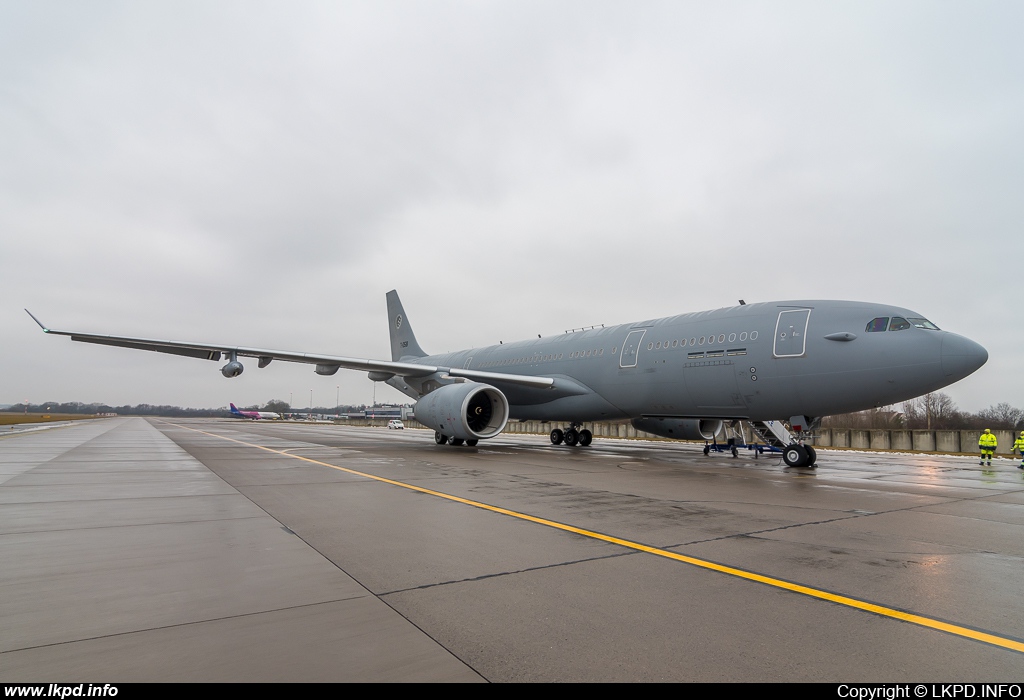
[757,361]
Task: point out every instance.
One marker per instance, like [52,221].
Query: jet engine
[680,428]
[232,369]
[468,410]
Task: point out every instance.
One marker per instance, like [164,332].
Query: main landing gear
[572,436]
[444,439]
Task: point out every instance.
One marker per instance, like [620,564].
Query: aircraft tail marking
[403,340]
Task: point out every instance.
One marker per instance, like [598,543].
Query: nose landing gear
[797,455]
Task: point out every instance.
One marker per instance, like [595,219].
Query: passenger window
[898,324]
[877,324]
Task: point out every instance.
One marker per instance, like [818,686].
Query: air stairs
[773,433]
[775,436]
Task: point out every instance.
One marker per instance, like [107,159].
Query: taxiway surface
[194,550]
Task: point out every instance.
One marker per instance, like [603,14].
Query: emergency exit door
[791,333]
[631,349]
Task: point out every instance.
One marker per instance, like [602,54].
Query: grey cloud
[265,173]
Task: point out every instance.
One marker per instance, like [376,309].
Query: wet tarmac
[199,550]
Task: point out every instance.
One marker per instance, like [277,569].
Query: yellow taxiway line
[912,618]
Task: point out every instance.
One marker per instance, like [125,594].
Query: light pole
[311,404]
[337,399]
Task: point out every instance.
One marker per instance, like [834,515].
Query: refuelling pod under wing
[468,410]
[680,428]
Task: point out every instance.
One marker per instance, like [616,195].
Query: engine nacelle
[232,369]
[469,410]
[680,428]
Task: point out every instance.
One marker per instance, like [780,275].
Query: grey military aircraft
[678,377]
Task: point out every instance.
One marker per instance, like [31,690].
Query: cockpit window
[898,324]
[923,323]
[877,324]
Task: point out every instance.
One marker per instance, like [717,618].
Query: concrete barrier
[923,441]
[1005,439]
[939,441]
[949,441]
[860,439]
[901,440]
[879,440]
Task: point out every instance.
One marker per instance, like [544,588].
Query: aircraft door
[631,349]
[791,333]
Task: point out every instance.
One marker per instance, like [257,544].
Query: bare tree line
[935,411]
[145,409]
[142,409]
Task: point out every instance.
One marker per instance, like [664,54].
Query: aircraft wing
[210,351]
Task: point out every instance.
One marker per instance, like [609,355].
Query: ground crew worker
[1019,447]
[987,445]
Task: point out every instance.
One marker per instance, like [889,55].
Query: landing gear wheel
[812,456]
[571,437]
[795,456]
[557,437]
[707,450]
[472,443]
[456,441]
[440,439]
[586,437]
[735,452]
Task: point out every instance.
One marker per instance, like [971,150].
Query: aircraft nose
[961,356]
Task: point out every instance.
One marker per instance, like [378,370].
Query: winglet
[45,329]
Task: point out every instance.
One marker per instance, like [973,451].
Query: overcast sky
[263,173]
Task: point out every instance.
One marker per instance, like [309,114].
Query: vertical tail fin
[403,340]
[233,409]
